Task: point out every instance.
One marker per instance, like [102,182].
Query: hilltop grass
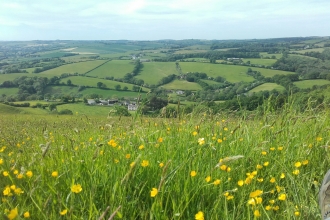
[115,68]
[182,85]
[152,72]
[215,166]
[310,83]
[267,87]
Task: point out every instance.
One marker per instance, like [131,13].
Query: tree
[125,88]
[52,107]
[121,111]
[99,84]
[117,87]
[69,82]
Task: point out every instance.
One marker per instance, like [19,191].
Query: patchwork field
[115,68]
[112,94]
[153,72]
[83,109]
[267,87]
[265,62]
[80,68]
[309,50]
[310,83]
[89,81]
[182,85]
[230,72]
[277,55]
[8,91]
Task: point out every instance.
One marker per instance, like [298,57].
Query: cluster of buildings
[131,106]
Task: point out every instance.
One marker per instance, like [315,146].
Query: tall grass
[199,166]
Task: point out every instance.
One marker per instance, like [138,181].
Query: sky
[162,19]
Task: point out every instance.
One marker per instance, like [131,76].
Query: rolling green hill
[182,85]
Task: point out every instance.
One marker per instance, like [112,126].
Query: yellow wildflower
[208,179]
[201,141]
[240,183]
[297,164]
[282,197]
[194,133]
[263,152]
[161,165]
[76,188]
[266,164]
[296,172]
[257,213]
[193,173]
[29,174]
[199,216]
[297,213]
[26,215]
[5,173]
[219,140]
[305,162]
[272,180]
[160,140]
[282,176]
[217,182]
[223,167]
[145,163]
[54,174]
[259,166]
[255,193]
[63,212]
[13,214]
[141,147]
[153,192]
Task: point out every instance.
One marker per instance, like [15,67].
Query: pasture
[304,84]
[265,62]
[232,73]
[153,72]
[8,91]
[115,68]
[112,94]
[80,68]
[182,85]
[83,109]
[265,54]
[90,81]
[267,87]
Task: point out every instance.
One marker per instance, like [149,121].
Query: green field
[80,68]
[8,91]
[89,81]
[153,72]
[111,94]
[65,90]
[309,50]
[267,87]
[277,55]
[310,83]
[115,68]
[230,72]
[12,76]
[182,85]
[265,62]
[83,109]
[6,109]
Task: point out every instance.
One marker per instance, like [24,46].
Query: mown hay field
[196,167]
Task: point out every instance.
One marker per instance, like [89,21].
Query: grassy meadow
[197,167]
[266,62]
[182,84]
[152,72]
[115,68]
[81,67]
[304,84]
[267,87]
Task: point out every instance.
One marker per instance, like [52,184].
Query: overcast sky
[162,19]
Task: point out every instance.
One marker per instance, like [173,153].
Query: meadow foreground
[196,167]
